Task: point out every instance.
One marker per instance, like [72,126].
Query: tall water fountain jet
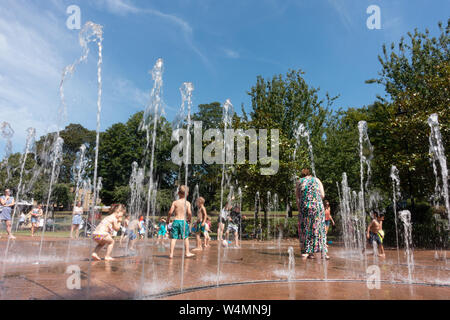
[291,265]
[346,215]
[90,33]
[257,215]
[405,217]
[274,219]
[240,212]
[301,131]
[56,159]
[395,195]
[78,171]
[269,211]
[186,95]
[437,152]
[151,118]
[227,122]
[365,155]
[7,133]
[137,188]
[31,134]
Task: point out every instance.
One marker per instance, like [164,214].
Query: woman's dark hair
[305,173]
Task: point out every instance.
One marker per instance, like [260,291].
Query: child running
[375,232]
[234,224]
[35,213]
[104,231]
[207,231]
[161,230]
[328,217]
[201,223]
[180,228]
[131,233]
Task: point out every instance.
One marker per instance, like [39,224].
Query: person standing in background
[7,202]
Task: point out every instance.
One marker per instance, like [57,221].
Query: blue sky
[219,46]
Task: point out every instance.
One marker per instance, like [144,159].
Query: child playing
[207,231]
[141,227]
[131,233]
[375,232]
[234,224]
[201,223]
[35,213]
[180,228]
[328,217]
[103,233]
[161,230]
[223,218]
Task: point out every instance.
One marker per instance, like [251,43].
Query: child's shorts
[200,228]
[327,223]
[180,229]
[162,232]
[99,237]
[131,235]
[375,237]
[34,220]
[233,228]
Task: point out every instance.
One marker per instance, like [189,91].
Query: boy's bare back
[178,209]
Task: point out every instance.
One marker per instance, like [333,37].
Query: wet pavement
[258,270]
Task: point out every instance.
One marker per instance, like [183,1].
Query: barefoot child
[207,231]
[161,230]
[180,228]
[375,232]
[234,224]
[328,217]
[132,232]
[35,213]
[201,223]
[103,233]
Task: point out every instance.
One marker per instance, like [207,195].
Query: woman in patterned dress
[311,215]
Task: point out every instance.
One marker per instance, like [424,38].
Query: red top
[327,214]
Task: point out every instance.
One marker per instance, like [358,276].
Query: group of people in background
[314,220]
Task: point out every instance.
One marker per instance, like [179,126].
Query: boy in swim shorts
[201,223]
[181,209]
[234,224]
[375,232]
[104,231]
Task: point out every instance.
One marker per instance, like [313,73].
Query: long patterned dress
[311,217]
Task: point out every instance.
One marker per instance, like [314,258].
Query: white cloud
[125,88]
[343,13]
[231,54]
[30,66]
[123,7]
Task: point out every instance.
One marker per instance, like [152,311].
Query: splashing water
[366,156]
[269,211]
[151,118]
[227,121]
[31,133]
[186,95]
[291,265]
[7,133]
[56,157]
[405,217]
[301,131]
[257,216]
[438,156]
[395,195]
